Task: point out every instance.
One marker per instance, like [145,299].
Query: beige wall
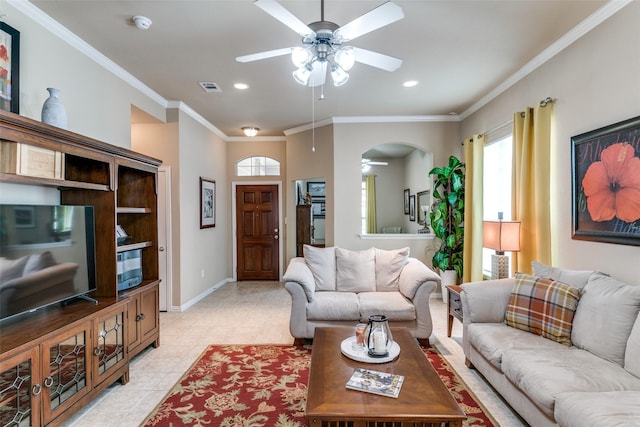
[303,163]
[596,82]
[350,141]
[202,154]
[161,141]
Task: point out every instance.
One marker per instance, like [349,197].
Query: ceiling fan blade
[318,75]
[278,11]
[264,55]
[384,14]
[378,60]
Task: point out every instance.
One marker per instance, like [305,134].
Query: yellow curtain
[531,184]
[370,183]
[473,208]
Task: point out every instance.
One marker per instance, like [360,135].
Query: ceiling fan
[367,163]
[322,43]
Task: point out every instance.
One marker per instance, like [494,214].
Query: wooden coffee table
[423,401]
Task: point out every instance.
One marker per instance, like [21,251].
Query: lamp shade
[501,235]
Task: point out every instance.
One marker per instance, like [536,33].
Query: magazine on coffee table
[376,382]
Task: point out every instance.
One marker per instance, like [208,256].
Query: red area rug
[266,385]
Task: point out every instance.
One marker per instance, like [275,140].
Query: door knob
[161,249]
[276,237]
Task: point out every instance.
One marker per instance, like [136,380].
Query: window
[496,186]
[258,166]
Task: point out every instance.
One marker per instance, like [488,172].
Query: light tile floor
[241,313]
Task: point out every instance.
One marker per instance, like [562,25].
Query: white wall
[596,82]
[97,103]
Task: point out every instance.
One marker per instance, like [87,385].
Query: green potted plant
[447,219]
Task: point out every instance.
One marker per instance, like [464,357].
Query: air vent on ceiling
[210,87]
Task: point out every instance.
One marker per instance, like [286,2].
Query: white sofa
[338,287]
[591,379]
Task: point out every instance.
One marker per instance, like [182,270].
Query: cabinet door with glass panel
[64,370]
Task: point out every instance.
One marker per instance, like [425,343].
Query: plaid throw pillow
[543,307]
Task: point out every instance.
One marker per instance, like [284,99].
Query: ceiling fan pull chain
[313,118]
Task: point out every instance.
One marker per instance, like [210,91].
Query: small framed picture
[9,68]
[316,189]
[412,207]
[207,203]
[25,216]
[406,201]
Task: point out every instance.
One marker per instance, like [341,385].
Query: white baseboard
[197,298]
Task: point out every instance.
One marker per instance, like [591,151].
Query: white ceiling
[459,51]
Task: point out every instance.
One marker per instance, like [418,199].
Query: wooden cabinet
[143,321]
[304,230]
[81,351]
[121,185]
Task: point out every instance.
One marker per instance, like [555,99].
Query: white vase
[447,277]
[53,112]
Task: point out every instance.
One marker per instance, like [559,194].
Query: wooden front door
[258,232]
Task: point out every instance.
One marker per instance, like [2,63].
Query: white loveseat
[338,287]
[592,379]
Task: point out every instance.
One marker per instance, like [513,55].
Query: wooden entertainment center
[55,360]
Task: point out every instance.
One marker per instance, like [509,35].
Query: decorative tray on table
[363,355]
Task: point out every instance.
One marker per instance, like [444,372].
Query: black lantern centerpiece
[378,336]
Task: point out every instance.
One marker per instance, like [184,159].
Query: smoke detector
[142,22]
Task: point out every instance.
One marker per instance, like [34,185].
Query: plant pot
[447,277]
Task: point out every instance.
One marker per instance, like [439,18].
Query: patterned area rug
[266,385]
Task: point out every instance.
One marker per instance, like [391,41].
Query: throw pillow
[605,316]
[577,278]
[389,264]
[12,268]
[39,262]
[632,353]
[356,271]
[322,263]
[543,307]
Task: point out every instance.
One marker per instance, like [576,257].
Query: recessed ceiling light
[410,83]
[241,86]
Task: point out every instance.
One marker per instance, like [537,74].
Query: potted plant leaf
[447,220]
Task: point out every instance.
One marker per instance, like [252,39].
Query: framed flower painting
[9,68]
[606,184]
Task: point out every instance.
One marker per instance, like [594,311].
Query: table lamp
[501,236]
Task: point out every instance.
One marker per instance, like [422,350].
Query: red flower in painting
[612,185]
[4,54]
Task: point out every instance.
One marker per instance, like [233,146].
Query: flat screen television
[47,256]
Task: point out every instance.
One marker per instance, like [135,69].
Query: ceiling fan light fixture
[345,57]
[302,74]
[301,56]
[339,75]
[250,131]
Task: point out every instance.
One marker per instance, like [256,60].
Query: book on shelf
[376,382]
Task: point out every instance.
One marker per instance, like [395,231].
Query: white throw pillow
[577,278]
[605,315]
[389,264]
[632,355]
[322,263]
[356,271]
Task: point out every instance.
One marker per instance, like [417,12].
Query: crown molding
[591,22]
[57,29]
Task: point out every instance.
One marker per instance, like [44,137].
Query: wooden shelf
[127,210]
[132,246]
[49,182]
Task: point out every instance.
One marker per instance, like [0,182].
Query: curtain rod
[543,104]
